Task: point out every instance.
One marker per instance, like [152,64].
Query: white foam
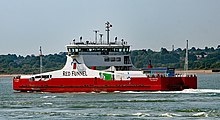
[166,115]
[113,114]
[103,92]
[141,114]
[201,91]
[169,115]
[116,91]
[132,92]
[48,97]
[211,90]
[190,91]
[200,114]
[48,103]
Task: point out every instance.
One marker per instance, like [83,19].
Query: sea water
[201,103]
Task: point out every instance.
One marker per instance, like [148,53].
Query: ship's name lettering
[74,73]
[153,79]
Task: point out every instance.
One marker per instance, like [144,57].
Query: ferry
[103,66]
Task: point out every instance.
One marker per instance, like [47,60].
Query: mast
[100,37]
[96,31]
[186,58]
[108,25]
[41,59]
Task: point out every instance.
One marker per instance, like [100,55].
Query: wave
[126,115]
[48,103]
[200,114]
[157,115]
[194,91]
[144,92]
[184,91]
[170,115]
[45,97]
[132,92]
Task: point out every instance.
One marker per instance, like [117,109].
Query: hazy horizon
[145,24]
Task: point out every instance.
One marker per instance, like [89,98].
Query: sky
[25,25]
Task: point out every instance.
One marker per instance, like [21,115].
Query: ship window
[44,76]
[98,50]
[85,50]
[112,59]
[104,49]
[106,59]
[118,59]
[37,76]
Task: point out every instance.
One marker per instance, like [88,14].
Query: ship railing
[99,43]
[100,53]
[185,75]
[157,75]
[41,77]
[167,75]
[17,77]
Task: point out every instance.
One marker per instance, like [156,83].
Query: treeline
[208,58]
[13,64]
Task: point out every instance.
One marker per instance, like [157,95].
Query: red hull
[98,85]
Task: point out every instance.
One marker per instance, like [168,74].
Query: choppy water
[203,103]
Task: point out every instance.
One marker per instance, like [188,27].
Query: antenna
[122,41]
[96,31]
[172,47]
[116,40]
[41,59]
[101,35]
[80,39]
[186,58]
[108,25]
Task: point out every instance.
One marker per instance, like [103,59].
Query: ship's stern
[190,82]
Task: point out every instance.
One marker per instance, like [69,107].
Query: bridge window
[106,59]
[118,59]
[112,59]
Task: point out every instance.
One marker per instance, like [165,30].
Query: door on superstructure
[126,60]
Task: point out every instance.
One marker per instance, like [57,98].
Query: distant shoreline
[197,71]
[8,75]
